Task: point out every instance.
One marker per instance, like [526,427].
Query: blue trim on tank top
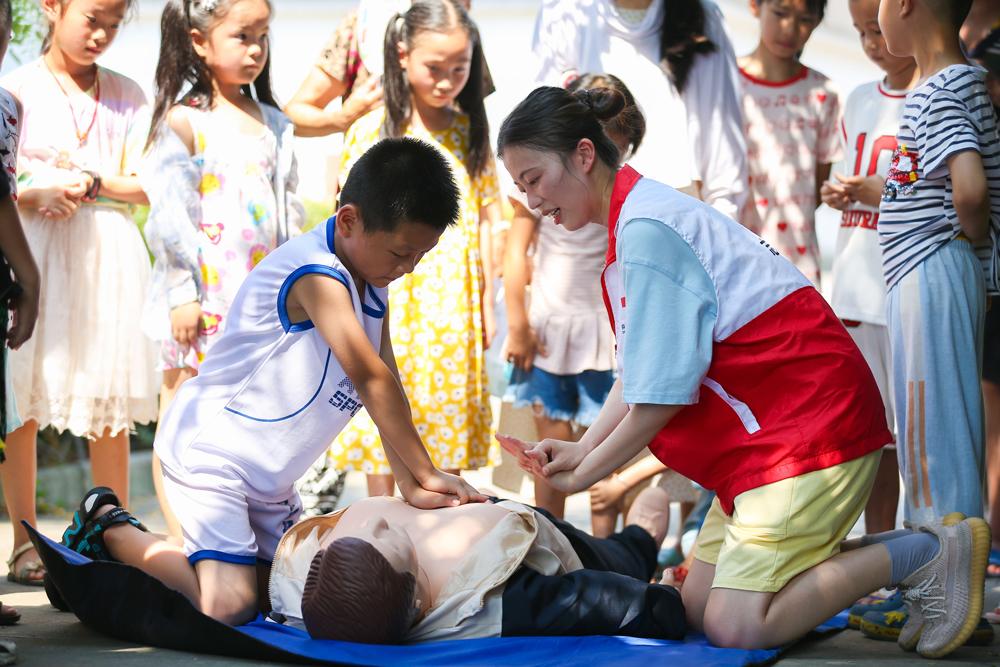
[211,554]
[286,287]
[331,224]
[379,310]
[326,369]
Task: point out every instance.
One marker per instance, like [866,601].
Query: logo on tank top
[345,402]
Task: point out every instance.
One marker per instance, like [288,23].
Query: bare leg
[381,485]
[880,512]
[173,378]
[747,619]
[602,522]
[547,497]
[686,508]
[18,474]
[991,397]
[651,511]
[224,591]
[109,462]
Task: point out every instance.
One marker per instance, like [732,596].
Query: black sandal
[85,535]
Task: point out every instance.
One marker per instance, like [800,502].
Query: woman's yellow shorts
[781,529]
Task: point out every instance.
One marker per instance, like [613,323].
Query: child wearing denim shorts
[561,347]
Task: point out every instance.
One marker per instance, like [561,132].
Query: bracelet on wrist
[95,185]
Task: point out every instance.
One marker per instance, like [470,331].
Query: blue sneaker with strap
[85,534]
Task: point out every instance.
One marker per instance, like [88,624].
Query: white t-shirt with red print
[871,120]
[791,127]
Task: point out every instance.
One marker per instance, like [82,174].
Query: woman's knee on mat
[737,619]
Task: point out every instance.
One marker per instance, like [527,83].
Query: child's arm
[416,494]
[185,315]
[522,343]
[822,176]
[970,194]
[15,249]
[606,493]
[55,202]
[864,189]
[489,216]
[327,303]
[119,188]
[307,108]
[833,194]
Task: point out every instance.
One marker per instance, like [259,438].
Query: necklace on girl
[81,135]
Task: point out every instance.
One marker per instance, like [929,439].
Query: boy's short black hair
[402,180]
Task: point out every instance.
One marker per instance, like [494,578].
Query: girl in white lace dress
[88,369]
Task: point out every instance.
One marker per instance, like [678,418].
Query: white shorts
[220,522]
[873,341]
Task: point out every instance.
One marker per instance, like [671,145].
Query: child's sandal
[85,535]
[24,574]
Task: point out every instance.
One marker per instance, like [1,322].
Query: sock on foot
[909,553]
[879,538]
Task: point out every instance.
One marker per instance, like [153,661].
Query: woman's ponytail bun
[603,102]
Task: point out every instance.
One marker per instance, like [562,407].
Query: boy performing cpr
[306,345]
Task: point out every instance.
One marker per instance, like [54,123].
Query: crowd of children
[375,323]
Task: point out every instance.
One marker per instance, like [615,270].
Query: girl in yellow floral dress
[440,320]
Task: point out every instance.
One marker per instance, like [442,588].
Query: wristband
[95,185]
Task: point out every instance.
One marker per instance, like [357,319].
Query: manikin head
[366,585]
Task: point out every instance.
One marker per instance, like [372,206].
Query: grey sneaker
[948,591]
[909,635]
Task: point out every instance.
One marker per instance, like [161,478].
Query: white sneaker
[909,635]
[949,589]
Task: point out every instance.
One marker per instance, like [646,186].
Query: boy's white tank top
[270,396]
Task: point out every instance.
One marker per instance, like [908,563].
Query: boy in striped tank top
[938,226]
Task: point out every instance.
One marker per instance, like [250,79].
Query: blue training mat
[123,602]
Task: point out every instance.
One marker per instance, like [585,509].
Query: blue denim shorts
[575,398]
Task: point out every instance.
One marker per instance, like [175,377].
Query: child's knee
[228,607]
[227,592]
